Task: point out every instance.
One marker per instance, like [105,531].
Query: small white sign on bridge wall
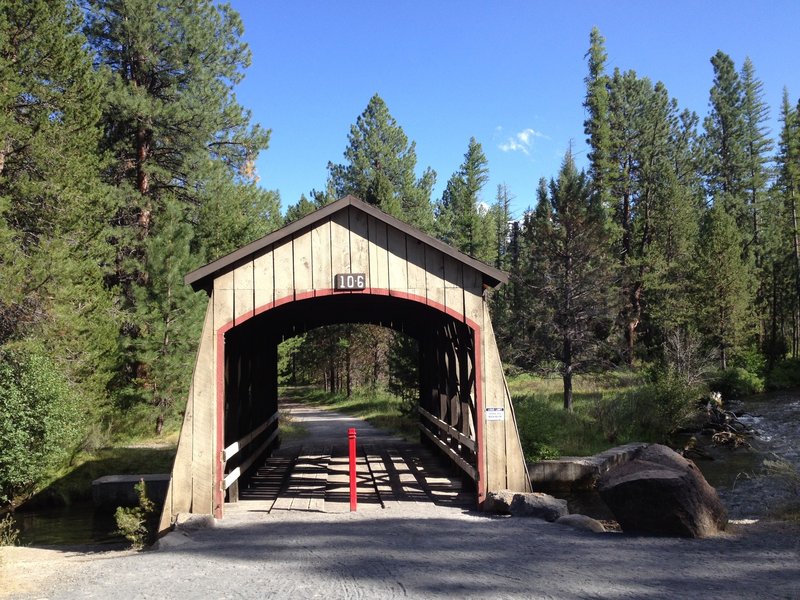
[495,414]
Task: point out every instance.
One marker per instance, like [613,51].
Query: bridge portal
[348,262]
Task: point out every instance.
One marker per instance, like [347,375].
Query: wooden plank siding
[264,278]
[321,276]
[397,262]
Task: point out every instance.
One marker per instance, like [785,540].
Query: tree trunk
[143,180]
[629,309]
[796,251]
[349,367]
[567,388]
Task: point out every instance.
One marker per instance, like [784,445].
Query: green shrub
[785,375]
[40,423]
[650,413]
[136,523]
[736,382]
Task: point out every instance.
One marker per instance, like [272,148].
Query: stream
[740,476]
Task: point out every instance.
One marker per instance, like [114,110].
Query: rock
[174,539]
[193,522]
[519,504]
[661,492]
[498,502]
[581,522]
[536,504]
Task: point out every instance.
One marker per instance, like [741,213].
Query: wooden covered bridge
[345,263]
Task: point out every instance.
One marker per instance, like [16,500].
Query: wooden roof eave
[202,278]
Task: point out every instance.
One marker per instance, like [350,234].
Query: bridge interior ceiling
[447,370]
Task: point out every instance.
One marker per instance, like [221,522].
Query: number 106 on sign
[349,281]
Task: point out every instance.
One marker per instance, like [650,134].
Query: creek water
[748,488]
[78,524]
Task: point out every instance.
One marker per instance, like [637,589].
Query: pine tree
[724,140]
[668,308]
[758,145]
[461,217]
[380,168]
[504,231]
[733,172]
[597,126]
[722,284]
[303,207]
[53,239]
[572,273]
[784,239]
[182,148]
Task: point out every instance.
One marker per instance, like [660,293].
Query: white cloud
[522,141]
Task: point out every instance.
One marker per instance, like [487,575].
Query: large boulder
[661,492]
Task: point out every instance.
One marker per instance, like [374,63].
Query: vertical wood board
[359,242]
[494,397]
[263,279]
[378,254]
[415,257]
[434,275]
[243,286]
[453,292]
[284,270]
[204,401]
[302,256]
[398,270]
[321,256]
[340,243]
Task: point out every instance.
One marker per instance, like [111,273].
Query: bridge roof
[203,277]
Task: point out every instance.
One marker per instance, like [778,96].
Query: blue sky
[508,73]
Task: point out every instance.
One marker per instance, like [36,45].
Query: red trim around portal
[219,493]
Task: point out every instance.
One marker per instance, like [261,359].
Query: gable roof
[202,278]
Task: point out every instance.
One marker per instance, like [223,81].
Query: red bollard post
[351,436]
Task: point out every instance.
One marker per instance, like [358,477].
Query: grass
[377,407]
[289,427]
[789,476]
[548,431]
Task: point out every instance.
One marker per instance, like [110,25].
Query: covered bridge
[347,262]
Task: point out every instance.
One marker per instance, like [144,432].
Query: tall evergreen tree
[380,168]
[722,284]
[676,217]
[784,240]
[461,216]
[725,158]
[757,147]
[179,142]
[52,203]
[597,125]
[572,281]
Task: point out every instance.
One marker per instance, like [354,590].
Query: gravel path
[434,552]
[414,551]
